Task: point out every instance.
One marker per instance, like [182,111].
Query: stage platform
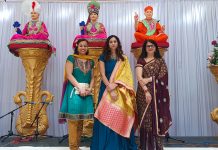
[85,148]
[190,143]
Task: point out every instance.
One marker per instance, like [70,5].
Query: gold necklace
[113,57]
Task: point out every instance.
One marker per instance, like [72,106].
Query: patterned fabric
[124,107]
[33,30]
[155,118]
[83,66]
[34,27]
[73,106]
[103,137]
[150,25]
[93,32]
[95,29]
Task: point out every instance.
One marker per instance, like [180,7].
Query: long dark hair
[144,52]
[107,50]
[76,48]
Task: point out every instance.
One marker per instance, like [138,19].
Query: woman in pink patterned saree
[152,97]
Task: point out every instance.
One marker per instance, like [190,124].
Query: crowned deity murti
[92,30]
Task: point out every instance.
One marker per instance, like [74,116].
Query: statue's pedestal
[137,52]
[94,52]
[214,71]
[34,61]
[136,48]
[214,115]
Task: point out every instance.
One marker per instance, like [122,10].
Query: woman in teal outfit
[77,102]
[105,138]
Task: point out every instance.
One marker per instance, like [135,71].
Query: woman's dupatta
[119,115]
[63,120]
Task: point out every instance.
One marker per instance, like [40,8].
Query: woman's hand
[162,29]
[113,95]
[136,17]
[82,92]
[148,97]
[145,81]
[88,91]
[111,86]
[81,27]
[101,30]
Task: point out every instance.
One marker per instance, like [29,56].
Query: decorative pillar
[34,61]
[94,52]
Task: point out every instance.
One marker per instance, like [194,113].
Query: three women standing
[116,111]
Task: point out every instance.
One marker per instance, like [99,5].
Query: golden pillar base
[214,115]
[34,61]
[214,71]
[94,52]
[137,52]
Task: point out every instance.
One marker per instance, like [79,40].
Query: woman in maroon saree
[152,97]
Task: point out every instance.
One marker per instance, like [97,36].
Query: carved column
[214,71]
[34,61]
[95,52]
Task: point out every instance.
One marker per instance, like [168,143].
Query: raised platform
[86,148]
[159,44]
[14,45]
[136,48]
[190,143]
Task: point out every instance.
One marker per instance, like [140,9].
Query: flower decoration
[213,57]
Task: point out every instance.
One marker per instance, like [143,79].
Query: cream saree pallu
[119,115]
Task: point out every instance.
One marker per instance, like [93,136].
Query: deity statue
[149,28]
[92,30]
[34,29]
[34,49]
